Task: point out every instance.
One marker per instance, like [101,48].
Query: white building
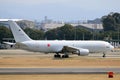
[48,26]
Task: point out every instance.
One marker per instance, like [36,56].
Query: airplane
[59,47]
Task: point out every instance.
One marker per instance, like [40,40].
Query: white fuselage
[56,46]
[23,41]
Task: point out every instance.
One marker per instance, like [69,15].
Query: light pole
[83,36]
[93,31]
[118,34]
[75,34]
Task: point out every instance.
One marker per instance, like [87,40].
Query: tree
[83,34]
[111,22]
[34,34]
[5,33]
[51,34]
[108,23]
[68,32]
[65,32]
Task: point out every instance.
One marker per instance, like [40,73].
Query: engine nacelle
[82,52]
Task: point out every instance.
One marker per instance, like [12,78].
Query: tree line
[111,25]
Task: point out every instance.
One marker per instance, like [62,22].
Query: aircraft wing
[70,49]
[75,50]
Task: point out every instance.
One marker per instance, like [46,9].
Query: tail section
[18,33]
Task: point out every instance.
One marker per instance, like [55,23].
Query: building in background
[48,24]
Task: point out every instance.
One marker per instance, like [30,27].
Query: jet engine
[82,52]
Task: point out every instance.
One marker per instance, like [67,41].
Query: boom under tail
[18,33]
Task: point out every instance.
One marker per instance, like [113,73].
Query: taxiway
[58,70]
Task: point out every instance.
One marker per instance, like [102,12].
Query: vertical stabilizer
[18,33]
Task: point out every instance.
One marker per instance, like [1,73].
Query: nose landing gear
[104,55]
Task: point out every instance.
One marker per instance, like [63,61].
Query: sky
[65,10]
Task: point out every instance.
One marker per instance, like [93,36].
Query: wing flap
[70,49]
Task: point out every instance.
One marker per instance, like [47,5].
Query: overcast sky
[65,10]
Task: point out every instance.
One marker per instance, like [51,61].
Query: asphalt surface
[58,70]
[55,70]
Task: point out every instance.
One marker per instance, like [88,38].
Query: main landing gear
[65,56]
[57,55]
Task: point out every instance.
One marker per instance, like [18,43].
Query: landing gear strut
[65,56]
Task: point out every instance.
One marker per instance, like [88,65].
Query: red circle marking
[48,45]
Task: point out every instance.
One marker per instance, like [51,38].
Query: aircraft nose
[111,47]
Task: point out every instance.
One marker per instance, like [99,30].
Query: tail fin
[18,33]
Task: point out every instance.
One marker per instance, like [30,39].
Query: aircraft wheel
[65,56]
[54,56]
[57,56]
[104,55]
